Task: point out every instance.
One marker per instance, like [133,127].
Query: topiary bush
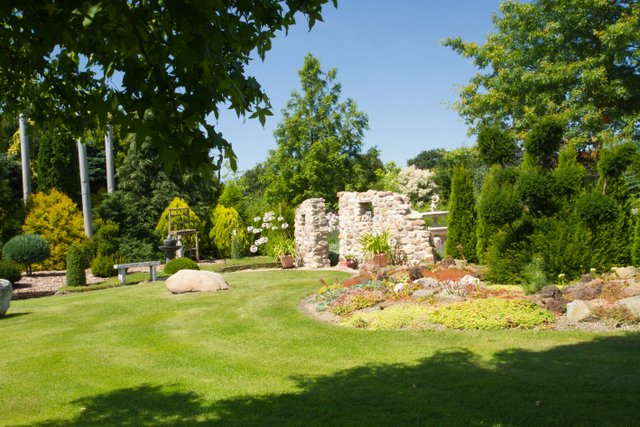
[26,249]
[102,265]
[76,263]
[178,264]
[10,270]
[55,217]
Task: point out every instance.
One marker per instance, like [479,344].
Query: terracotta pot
[380,260]
[287,261]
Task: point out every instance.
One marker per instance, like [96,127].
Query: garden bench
[122,269]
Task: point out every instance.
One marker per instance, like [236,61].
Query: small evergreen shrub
[10,270]
[76,263]
[534,275]
[178,264]
[26,249]
[238,249]
[102,265]
[491,313]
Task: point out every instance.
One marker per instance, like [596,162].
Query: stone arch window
[365,209]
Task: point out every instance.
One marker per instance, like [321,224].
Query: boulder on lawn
[196,281]
[6,290]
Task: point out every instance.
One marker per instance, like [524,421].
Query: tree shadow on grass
[594,383]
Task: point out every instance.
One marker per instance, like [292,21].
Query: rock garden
[448,297]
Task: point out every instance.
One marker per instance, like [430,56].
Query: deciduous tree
[159,69]
[577,59]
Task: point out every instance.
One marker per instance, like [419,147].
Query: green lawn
[139,356]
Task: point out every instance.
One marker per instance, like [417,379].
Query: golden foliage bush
[56,218]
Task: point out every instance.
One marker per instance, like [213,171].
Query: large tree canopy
[158,69]
[576,59]
[319,143]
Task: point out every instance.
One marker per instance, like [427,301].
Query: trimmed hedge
[76,263]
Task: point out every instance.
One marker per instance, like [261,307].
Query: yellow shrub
[177,202]
[225,222]
[56,218]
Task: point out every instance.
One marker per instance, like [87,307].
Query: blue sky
[389,60]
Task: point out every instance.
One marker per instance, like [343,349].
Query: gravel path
[43,283]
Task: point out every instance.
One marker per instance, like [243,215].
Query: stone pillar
[311,230]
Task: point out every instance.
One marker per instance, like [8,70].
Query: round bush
[10,270]
[178,264]
[102,265]
[76,262]
[26,249]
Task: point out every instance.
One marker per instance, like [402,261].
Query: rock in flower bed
[611,300]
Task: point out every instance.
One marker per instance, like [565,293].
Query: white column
[24,153]
[108,148]
[84,188]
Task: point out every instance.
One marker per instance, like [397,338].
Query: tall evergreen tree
[57,165]
[461,237]
[319,142]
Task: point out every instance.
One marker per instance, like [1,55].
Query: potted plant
[351,261]
[377,246]
[285,250]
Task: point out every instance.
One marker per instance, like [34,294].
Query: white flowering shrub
[417,184]
[267,227]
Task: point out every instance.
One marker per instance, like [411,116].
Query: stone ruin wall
[361,213]
[311,230]
[377,211]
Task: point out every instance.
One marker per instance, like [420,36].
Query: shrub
[348,303]
[163,223]
[178,264]
[26,249]
[491,313]
[238,249]
[227,226]
[405,316]
[535,188]
[102,265]
[76,263]
[495,146]
[10,270]
[56,218]
[534,275]
[461,237]
[544,140]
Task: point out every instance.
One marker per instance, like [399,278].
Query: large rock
[6,290]
[632,290]
[632,304]
[196,281]
[577,311]
[428,283]
[584,291]
[469,280]
[626,272]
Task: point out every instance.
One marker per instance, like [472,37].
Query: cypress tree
[461,237]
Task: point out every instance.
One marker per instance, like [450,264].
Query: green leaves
[319,143]
[576,59]
[157,69]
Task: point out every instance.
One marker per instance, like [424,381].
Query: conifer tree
[461,238]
